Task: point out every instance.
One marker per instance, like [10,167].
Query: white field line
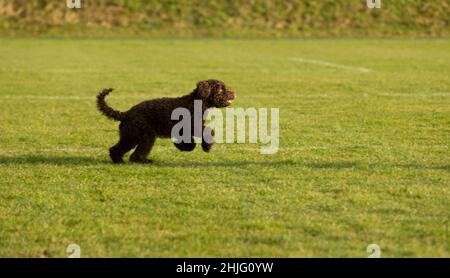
[217,146]
[143,97]
[430,94]
[329,65]
[46,97]
[83,71]
[43,97]
[64,71]
[49,150]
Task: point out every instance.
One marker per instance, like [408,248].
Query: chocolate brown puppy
[143,123]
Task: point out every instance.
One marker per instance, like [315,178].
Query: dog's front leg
[207,138]
[186,146]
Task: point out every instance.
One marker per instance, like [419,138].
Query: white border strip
[329,65]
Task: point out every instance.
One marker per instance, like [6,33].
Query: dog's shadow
[50,160]
[86,161]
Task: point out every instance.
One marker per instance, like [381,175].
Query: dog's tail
[106,109]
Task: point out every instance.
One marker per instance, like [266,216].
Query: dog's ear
[203,89]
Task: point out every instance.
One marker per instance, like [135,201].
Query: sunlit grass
[363,155]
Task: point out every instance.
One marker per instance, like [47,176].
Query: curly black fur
[143,123]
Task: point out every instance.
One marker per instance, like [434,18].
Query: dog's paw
[186,147]
[208,139]
[206,147]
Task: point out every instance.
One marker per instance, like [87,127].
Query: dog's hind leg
[144,147]
[117,151]
[125,144]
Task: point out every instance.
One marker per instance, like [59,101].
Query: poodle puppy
[143,123]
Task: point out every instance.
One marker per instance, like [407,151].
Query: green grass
[364,157]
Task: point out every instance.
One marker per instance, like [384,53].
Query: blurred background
[364,127]
[225,18]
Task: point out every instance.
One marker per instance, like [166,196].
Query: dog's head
[215,93]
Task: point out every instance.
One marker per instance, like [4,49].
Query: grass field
[364,150]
